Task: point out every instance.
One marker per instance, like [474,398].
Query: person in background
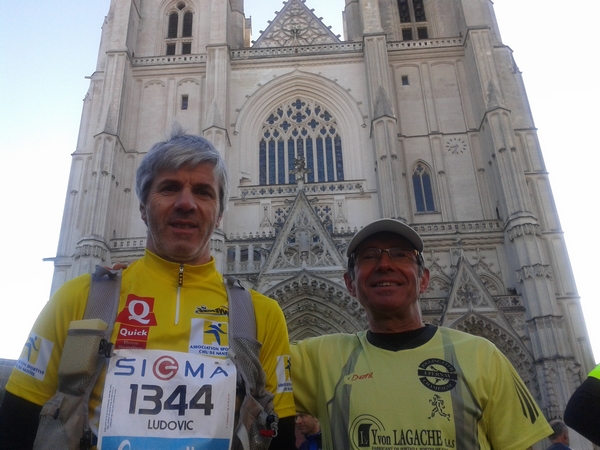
[402,383]
[583,409]
[560,436]
[172,300]
[311,430]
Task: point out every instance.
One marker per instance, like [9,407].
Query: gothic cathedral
[418,113]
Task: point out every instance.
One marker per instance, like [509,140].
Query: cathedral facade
[418,113]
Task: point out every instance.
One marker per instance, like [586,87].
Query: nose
[185,200]
[384,260]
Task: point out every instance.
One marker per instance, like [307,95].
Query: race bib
[163,400]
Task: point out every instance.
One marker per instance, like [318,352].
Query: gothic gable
[468,295]
[295,25]
[472,309]
[302,243]
[439,283]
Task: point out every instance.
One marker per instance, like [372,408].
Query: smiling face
[181,212]
[389,291]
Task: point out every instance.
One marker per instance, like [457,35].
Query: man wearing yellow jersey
[173,308]
[404,385]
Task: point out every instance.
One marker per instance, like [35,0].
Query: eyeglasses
[396,254]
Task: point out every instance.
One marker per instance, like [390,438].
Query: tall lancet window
[423,188]
[300,138]
[413,19]
[179,30]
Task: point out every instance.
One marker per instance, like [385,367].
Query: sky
[43,70]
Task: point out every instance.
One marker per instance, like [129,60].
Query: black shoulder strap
[242,321]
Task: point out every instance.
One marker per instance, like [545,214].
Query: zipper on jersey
[179,284]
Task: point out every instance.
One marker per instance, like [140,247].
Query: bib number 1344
[148,399]
[165,400]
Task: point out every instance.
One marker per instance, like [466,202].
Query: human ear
[424,281]
[143,213]
[350,284]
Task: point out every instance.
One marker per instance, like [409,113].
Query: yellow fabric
[596,372]
[201,296]
[453,391]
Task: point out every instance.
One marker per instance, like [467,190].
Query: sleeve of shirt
[303,376]
[583,409]
[18,422]
[513,419]
[275,352]
[35,376]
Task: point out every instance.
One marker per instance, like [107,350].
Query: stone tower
[418,113]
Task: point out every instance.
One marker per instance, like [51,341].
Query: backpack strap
[242,321]
[257,420]
[103,299]
[64,419]
[103,303]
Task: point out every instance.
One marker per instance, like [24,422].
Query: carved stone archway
[314,306]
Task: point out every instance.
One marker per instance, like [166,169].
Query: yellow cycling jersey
[163,306]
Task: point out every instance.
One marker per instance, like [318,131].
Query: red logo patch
[136,319]
[138,311]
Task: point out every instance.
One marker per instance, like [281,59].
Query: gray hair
[558,428]
[181,150]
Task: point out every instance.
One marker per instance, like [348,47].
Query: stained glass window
[187,24]
[291,156]
[419,11]
[412,13]
[320,160]
[329,159]
[423,189]
[173,22]
[280,162]
[404,11]
[310,160]
[262,160]
[300,129]
[272,162]
[338,158]
[179,25]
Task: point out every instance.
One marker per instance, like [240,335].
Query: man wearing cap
[403,384]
